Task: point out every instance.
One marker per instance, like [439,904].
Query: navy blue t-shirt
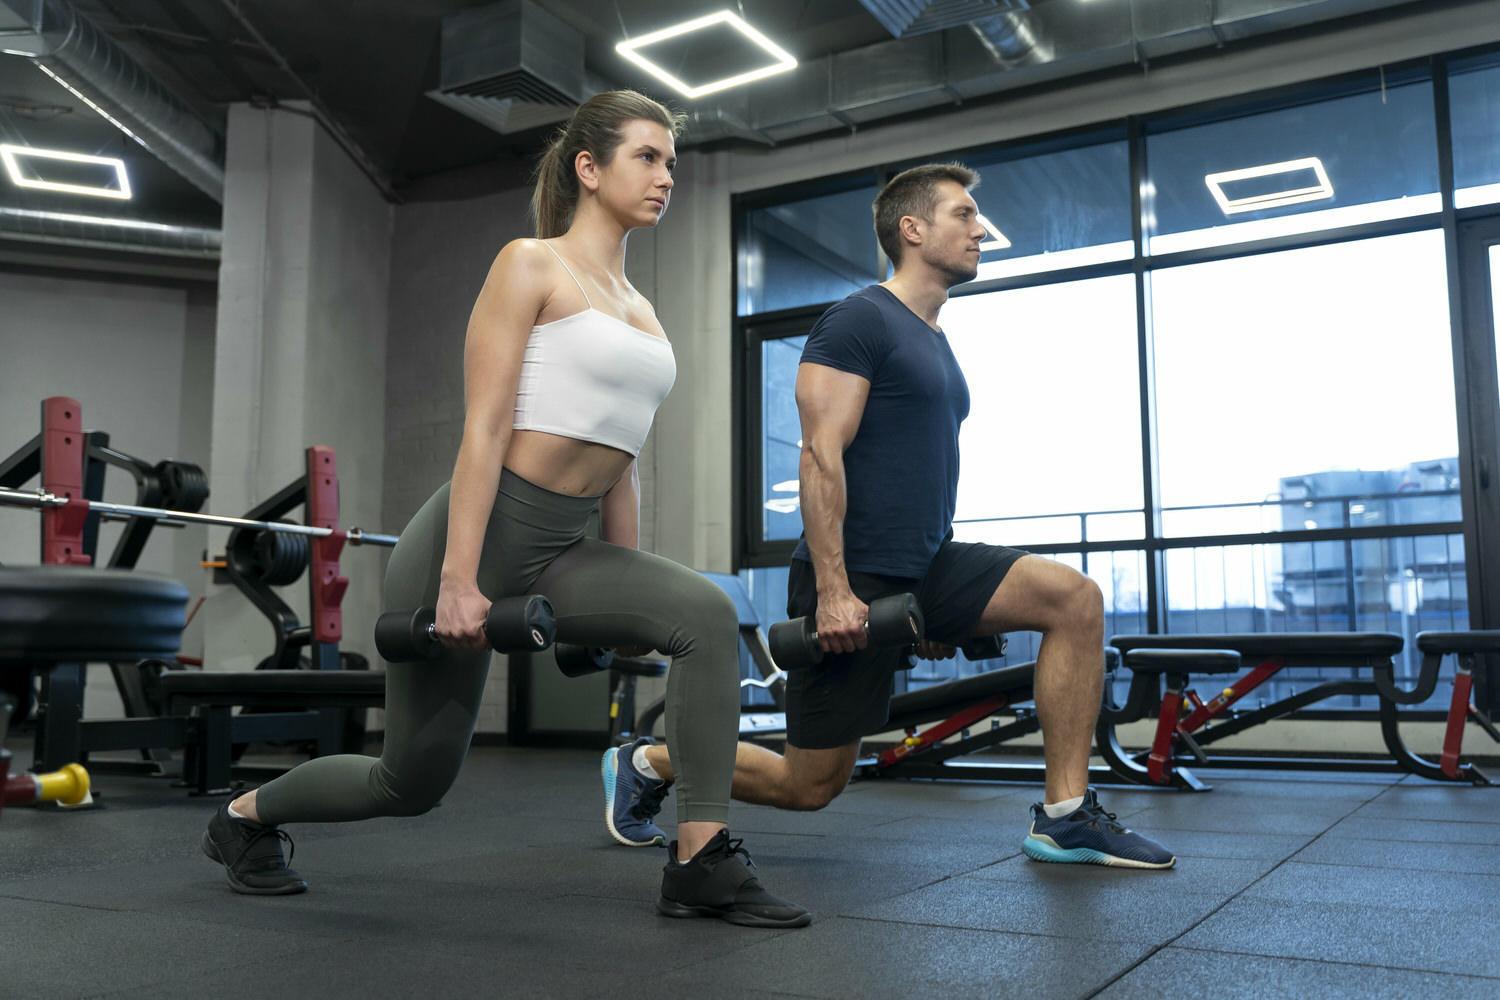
[901,469]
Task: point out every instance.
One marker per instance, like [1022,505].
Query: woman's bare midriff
[565,465]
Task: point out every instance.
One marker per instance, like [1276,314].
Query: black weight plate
[56,614]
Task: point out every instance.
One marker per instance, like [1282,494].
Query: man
[881,398]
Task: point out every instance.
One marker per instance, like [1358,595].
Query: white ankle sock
[1057,810]
[238,815]
[642,765]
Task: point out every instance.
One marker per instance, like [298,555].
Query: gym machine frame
[70,514]
[1162,665]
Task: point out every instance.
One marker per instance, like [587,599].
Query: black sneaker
[251,853]
[716,883]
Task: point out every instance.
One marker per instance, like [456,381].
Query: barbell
[44,500]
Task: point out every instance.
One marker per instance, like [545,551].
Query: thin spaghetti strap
[570,272]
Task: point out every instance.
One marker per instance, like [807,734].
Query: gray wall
[138,357]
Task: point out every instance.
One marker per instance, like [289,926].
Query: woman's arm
[512,297]
[620,510]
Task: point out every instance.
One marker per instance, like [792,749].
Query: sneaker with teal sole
[632,800]
[1090,836]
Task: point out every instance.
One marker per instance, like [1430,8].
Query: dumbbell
[580,661]
[984,647]
[523,624]
[893,621]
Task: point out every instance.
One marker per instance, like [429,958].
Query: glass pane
[807,252]
[1475,101]
[781,439]
[1400,585]
[1121,578]
[1357,159]
[1309,388]
[1054,424]
[1056,210]
[767,590]
[1495,298]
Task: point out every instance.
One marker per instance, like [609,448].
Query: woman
[564,367]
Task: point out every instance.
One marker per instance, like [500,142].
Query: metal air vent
[510,66]
[915,17]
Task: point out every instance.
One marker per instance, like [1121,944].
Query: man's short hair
[914,192]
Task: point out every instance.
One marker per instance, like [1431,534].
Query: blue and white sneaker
[632,800]
[1090,836]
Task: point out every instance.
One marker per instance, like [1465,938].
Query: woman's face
[636,184]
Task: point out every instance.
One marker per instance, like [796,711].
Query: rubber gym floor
[1286,886]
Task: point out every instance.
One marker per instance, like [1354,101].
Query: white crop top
[592,377]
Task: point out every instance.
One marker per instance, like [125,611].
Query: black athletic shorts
[848,695]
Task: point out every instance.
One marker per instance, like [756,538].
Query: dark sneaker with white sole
[251,854]
[716,883]
[1090,836]
[631,800]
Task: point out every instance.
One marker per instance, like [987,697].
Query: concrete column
[300,354]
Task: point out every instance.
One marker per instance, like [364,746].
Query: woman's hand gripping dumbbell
[890,621]
[513,625]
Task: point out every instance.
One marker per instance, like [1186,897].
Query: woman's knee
[704,612]
[413,792]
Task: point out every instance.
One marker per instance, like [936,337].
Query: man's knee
[1084,604]
[810,797]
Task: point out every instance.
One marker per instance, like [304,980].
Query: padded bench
[941,700]
[216,692]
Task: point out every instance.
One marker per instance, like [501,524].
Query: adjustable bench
[290,695]
[1161,666]
[955,706]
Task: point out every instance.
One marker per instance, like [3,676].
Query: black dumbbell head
[522,624]
[406,636]
[578,661]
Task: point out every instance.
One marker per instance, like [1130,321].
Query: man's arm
[830,404]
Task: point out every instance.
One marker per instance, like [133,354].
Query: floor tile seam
[977,930]
[1331,961]
[1192,927]
[1399,868]
[75,906]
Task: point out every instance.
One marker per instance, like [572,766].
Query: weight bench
[1162,665]
[955,706]
[289,695]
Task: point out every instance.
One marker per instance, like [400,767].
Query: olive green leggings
[603,594]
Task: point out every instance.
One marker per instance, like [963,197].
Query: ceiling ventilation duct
[511,66]
[83,59]
[903,18]
[1045,43]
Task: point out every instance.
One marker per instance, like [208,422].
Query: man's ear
[910,228]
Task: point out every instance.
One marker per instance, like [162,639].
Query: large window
[1052,446]
[1291,357]
[1325,371]
[808,251]
[1475,99]
[1363,158]
[1054,210]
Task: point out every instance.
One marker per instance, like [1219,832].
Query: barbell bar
[44,500]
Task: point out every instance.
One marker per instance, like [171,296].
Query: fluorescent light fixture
[787,486]
[100,220]
[997,240]
[783,59]
[65,85]
[11,156]
[1275,199]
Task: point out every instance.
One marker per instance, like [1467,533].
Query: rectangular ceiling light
[1274,199]
[781,59]
[997,240]
[12,156]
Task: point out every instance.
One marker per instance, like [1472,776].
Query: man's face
[952,238]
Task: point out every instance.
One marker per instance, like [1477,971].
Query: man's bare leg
[1067,608]
[802,779]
